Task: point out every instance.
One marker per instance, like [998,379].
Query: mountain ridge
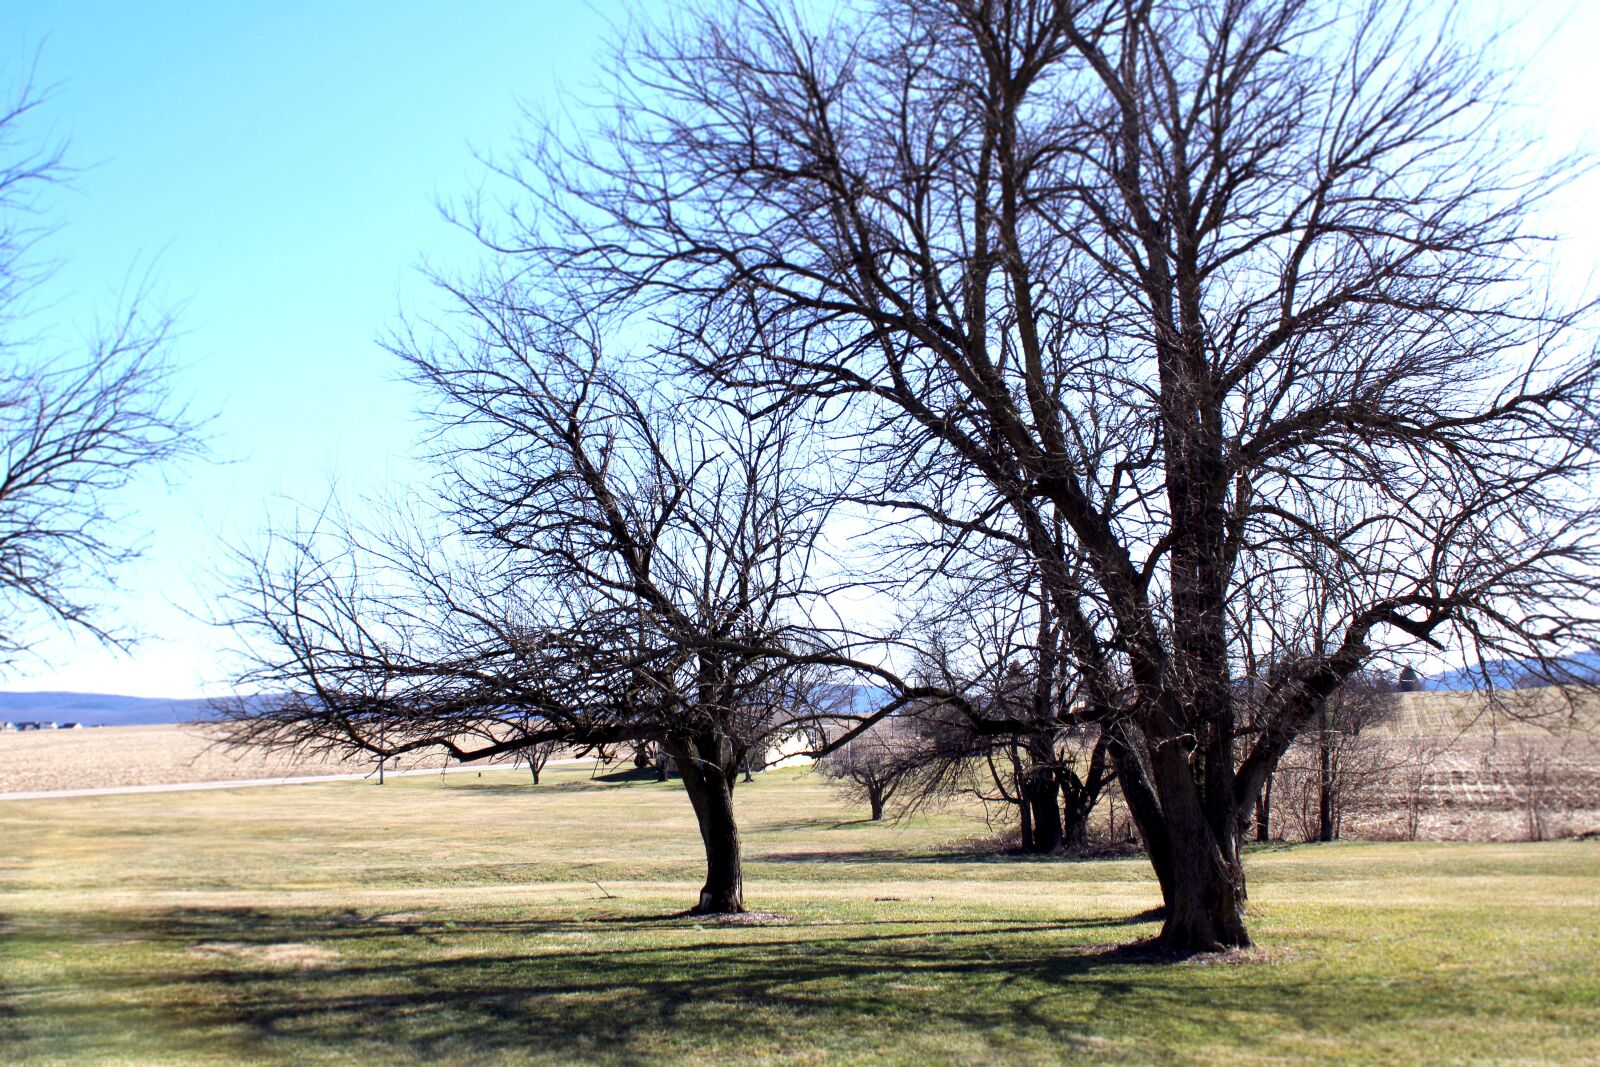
[101,709]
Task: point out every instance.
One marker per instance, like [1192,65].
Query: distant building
[7,727]
[72,726]
[36,726]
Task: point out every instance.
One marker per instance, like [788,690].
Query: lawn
[484,920]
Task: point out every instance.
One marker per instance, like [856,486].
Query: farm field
[111,756]
[140,755]
[486,920]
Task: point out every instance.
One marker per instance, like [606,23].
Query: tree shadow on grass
[640,775]
[626,988]
[987,857]
[11,1035]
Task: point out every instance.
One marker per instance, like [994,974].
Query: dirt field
[1454,767]
[1510,712]
[142,755]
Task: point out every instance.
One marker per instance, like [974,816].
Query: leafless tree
[1548,776]
[611,562]
[875,764]
[1183,300]
[1021,737]
[76,427]
[1333,765]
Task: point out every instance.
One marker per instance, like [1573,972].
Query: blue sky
[273,170]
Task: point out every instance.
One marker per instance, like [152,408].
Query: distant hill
[109,709]
[1582,668]
[100,709]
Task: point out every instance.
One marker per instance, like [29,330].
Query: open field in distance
[1510,712]
[1524,764]
[490,921]
[150,755]
[1443,767]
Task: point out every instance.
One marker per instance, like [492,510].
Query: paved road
[245,783]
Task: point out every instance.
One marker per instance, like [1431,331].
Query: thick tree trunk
[1041,800]
[1205,898]
[875,798]
[1041,793]
[1205,911]
[1075,823]
[709,784]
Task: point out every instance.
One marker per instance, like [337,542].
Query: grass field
[484,920]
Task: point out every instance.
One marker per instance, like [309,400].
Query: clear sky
[273,168]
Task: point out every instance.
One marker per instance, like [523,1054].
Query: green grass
[487,921]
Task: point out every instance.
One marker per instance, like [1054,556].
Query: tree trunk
[1024,809]
[1205,910]
[1075,823]
[1264,811]
[1041,793]
[709,783]
[1205,896]
[875,798]
[1040,797]
[1143,804]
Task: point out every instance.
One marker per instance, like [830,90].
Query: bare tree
[1335,764]
[875,764]
[615,564]
[75,427]
[1185,301]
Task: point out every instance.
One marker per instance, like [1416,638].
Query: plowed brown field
[141,755]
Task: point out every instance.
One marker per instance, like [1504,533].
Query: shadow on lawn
[985,856]
[10,1029]
[627,988]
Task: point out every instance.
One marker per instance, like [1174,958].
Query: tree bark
[1075,824]
[1040,793]
[1041,801]
[709,783]
[1264,811]
[1143,804]
[1205,895]
[875,798]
